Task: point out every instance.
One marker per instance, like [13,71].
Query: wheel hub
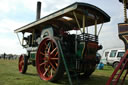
[47,57]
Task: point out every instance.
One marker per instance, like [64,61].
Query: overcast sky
[16,13]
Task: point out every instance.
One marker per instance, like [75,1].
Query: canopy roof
[66,17]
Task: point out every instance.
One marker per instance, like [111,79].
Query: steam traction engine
[54,50]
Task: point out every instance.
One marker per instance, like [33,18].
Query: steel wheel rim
[21,63]
[47,59]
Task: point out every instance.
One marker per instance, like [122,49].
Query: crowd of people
[8,56]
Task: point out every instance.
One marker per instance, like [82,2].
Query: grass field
[9,75]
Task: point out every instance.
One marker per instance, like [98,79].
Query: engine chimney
[38,10]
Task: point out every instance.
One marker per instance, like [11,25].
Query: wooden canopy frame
[76,15]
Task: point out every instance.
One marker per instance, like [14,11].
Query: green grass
[9,75]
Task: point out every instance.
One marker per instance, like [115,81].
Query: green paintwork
[80,49]
[33,55]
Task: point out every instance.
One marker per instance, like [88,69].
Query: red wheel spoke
[42,53]
[46,46]
[44,74]
[44,66]
[56,64]
[53,50]
[52,66]
[49,48]
[54,58]
[52,45]
[42,63]
[56,54]
[22,62]
[51,72]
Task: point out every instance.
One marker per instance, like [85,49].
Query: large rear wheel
[48,61]
[22,64]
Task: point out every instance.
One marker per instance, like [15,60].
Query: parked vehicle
[98,57]
[113,56]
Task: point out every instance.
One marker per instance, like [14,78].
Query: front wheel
[22,64]
[115,64]
[48,61]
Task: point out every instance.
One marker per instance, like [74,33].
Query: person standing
[4,55]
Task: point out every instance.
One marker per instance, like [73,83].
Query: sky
[17,13]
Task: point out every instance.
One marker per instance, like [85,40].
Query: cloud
[8,40]
[4,6]
[7,25]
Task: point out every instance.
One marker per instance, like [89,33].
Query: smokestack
[38,12]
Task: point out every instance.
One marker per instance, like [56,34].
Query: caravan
[112,56]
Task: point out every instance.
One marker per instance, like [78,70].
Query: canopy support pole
[96,27]
[23,39]
[18,38]
[77,20]
[100,29]
[33,34]
[83,23]
[86,23]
